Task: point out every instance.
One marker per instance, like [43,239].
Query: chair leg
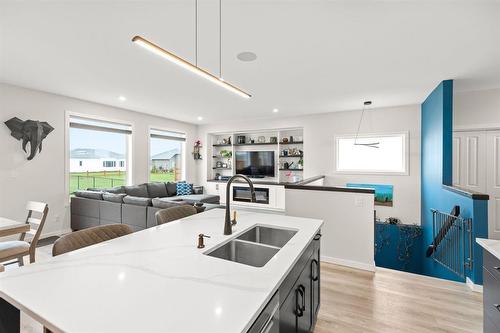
[32,257]
[20,261]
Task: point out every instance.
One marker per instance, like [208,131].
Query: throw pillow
[171,188]
[184,188]
[157,190]
[138,201]
[137,191]
[113,197]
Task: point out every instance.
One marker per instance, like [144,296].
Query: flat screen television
[256,164]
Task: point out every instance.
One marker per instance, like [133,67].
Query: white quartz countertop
[490,245]
[157,280]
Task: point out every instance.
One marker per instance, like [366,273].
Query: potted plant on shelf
[227,154]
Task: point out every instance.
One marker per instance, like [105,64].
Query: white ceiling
[313,56]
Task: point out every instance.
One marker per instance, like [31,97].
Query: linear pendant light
[152,47]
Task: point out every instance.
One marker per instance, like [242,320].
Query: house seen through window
[166,154]
[98,154]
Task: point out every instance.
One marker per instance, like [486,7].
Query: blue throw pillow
[184,188]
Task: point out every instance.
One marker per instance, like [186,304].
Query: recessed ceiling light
[247,56]
[200,118]
[275,110]
[122,98]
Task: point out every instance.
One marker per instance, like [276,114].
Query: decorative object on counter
[291,138]
[224,165]
[285,152]
[217,176]
[29,131]
[383,193]
[261,139]
[286,166]
[252,141]
[201,237]
[197,150]
[284,140]
[392,220]
[273,139]
[218,164]
[241,139]
[224,141]
[228,141]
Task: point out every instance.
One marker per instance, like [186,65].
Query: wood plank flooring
[387,301]
[390,301]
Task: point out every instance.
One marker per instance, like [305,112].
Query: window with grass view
[166,153]
[98,154]
[383,154]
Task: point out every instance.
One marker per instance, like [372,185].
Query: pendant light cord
[196,33]
[220,39]
[371,144]
[359,125]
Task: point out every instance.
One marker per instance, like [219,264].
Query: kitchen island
[157,280]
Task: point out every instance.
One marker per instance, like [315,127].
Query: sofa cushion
[89,195]
[115,190]
[137,190]
[161,203]
[171,189]
[184,188]
[157,190]
[138,201]
[113,197]
[205,198]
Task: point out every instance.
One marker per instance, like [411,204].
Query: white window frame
[183,149]
[130,143]
[406,155]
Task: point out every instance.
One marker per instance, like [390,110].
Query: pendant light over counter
[368,144]
[152,47]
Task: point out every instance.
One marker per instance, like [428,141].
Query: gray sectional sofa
[132,205]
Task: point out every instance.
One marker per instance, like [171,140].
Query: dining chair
[86,237]
[174,213]
[37,215]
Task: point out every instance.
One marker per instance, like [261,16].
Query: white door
[493,186]
[469,160]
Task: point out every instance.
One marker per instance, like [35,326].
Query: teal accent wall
[436,168]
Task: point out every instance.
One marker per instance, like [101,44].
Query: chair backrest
[174,213]
[37,215]
[86,237]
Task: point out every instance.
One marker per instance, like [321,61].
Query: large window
[166,155]
[98,154]
[389,156]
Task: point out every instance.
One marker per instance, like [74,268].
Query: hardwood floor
[387,301]
[391,301]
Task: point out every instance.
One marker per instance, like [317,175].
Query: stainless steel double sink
[254,247]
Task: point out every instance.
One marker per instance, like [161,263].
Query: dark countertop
[257,182]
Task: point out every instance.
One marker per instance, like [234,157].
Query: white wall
[319,133]
[348,229]
[476,109]
[43,178]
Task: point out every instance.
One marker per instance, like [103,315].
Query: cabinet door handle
[497,268]
[315,263]
[303,297]
[317,237]
[497,306]
[298,310]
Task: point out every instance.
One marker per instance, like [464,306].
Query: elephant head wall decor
[31,131]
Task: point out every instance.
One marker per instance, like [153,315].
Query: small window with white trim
[372,154]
